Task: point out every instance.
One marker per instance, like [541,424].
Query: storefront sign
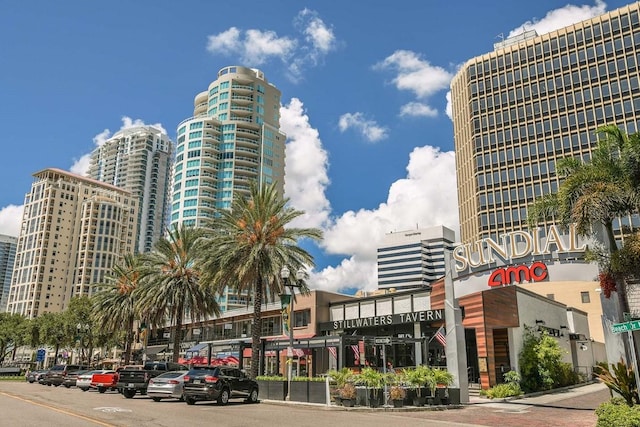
[389,319]
[515,245]
[537,272]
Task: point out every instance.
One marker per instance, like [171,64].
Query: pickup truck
[105,381]
[132,381]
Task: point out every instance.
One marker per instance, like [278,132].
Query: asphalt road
[23,404]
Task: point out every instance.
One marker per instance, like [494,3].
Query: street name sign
[618,328]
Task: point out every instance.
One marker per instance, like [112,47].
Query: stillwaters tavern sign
[384,320]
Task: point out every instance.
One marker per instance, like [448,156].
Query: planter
[398,403]
[454,396]
[272,390]
[375,398]
[419,400]
[348,403]
[308,391]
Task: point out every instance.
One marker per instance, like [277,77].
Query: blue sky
[364,91]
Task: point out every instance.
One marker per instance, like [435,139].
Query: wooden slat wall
[484,311]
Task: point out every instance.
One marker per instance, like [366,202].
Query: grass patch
[12,378]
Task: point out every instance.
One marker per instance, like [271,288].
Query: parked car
[34,376]
[167,385]
[219,383]
[72,377]
[134,381]
[83,382]
[106,380]
[57,373]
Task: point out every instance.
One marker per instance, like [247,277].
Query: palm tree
[246,247]
[596,193]
[171,285]
[114,306]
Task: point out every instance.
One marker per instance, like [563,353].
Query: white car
[167,385]
[83,382]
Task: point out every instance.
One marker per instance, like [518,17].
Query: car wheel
[253,396]
[223,399]
[190,400]
[83,389]
[67,386]
[128,393]
[156,399]
[102,389]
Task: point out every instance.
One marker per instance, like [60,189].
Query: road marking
[62,411]
[111,409]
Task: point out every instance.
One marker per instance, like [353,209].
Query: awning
[198,347]
[155,349]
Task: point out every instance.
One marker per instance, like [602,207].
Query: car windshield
[58,368]
[204,371]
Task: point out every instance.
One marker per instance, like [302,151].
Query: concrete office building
[74,229]
[533,100]
[413,258]
[232,139]
[8,246]
[138,159]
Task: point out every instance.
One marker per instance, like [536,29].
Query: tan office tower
[534,100]
[138,159]
[74,229]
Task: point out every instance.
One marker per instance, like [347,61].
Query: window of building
[301,318]
[585,297]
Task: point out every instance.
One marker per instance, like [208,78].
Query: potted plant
[441,379]
[348,395]
[341,378]
[374,381]
[417,378]
[397,392]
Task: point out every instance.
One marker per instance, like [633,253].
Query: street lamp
[284,274]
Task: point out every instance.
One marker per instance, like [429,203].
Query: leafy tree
[540,361]
[52,331]
[11,333]
[114,307]
[171,285]
[247,246]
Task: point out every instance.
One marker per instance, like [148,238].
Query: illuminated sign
[515,245]
[537,272]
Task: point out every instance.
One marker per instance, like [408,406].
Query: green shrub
[270,378]
[502,390]
[540,361]
[567,376]
[621,379]
[616,413]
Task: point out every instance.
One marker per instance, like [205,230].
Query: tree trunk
[128,341]
[178,338]
[256,329]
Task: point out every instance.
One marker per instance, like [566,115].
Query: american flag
[356,352]
[442,339]
[333,352]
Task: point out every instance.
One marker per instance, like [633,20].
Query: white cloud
[562,17]
[426,197]
[448,109]
[10,220]
[418,109]
[307,161]
[417,76]
[369,129]
[80,165]
[255,47]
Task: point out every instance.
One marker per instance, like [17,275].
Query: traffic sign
[382,340]
[40,355]
[618,328]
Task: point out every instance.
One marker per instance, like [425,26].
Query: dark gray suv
[219,383]
[58,373]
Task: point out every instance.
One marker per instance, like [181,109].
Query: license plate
[130,385]
[196,381]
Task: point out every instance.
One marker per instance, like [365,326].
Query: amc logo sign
[537,272]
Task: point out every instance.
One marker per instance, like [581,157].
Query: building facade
[413,258]
[532,101]
[74,229]
[8,246]
[233,139]
[139,159]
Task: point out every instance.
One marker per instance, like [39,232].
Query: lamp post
[284,274]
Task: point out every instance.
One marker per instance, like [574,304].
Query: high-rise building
[74,229]
[413,258]
[232,139]
[8,246]
[138,159]
[533,100]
